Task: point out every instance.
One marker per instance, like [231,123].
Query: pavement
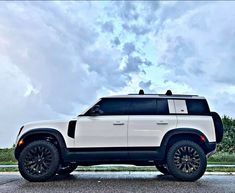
[118,182]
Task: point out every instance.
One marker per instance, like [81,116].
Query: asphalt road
[116,182]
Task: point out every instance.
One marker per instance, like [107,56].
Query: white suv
[176,133]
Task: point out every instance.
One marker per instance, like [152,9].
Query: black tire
[66,169]
[186,161]
[39,161]
[162,168]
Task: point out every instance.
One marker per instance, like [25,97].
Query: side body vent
[71,128]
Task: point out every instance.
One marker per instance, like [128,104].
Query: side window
[143,106]
[113,106]
[162,107]
[197,107]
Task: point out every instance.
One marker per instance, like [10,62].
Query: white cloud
[58,57]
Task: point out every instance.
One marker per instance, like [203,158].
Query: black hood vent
[71,128]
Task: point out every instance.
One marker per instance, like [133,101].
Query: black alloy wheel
[39,161]
[186,160]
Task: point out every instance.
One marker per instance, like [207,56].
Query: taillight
[203,138]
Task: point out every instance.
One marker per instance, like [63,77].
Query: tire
[66,169]
[162,168]
[186,161]
[39,161]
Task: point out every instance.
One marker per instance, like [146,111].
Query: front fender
[36,134]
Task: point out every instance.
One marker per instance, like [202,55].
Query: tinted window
[143,106]
[149,106]
[112,106]
[132,106]
[162,107]
[197,107]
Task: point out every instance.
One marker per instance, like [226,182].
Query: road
[117,182]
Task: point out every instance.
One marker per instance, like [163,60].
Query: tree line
[228,143]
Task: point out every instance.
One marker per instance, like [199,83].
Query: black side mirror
[96,110]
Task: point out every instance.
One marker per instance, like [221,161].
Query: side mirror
[96,110]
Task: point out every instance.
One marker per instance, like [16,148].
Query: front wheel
[186,160]
[39,161]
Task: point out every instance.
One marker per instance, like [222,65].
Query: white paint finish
[171,106]
[148,130]
[61,126]
[180,107]
[100,131]
[201,123]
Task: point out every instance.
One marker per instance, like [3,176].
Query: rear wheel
[162,168]
[66,169]
[186,161]
[39,161]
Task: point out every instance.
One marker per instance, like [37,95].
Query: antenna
[141,92]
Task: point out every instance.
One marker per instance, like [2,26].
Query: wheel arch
[184,133]
[48,134]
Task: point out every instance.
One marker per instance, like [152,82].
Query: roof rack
[168,93]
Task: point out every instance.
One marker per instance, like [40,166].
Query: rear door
[149,120]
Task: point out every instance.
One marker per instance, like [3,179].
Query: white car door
[101,131]
[149,122]
[106,129]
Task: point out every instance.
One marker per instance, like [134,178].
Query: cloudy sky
[57,58]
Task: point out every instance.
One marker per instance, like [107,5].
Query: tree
[228,143]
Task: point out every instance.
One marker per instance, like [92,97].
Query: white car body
[124,131]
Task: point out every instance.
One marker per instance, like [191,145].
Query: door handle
[118,123]
[162,123]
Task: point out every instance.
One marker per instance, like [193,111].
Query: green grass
[9,170]
[220,157]
[7,155]
[9,163]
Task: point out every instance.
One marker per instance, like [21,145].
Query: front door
[101,131]
[105,133]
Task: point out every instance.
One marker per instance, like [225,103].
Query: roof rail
[168,93]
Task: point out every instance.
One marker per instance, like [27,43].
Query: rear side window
[162,107]
[144,106]
[197,107]
[148,106]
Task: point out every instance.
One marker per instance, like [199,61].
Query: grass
[220,157]
[7,156]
